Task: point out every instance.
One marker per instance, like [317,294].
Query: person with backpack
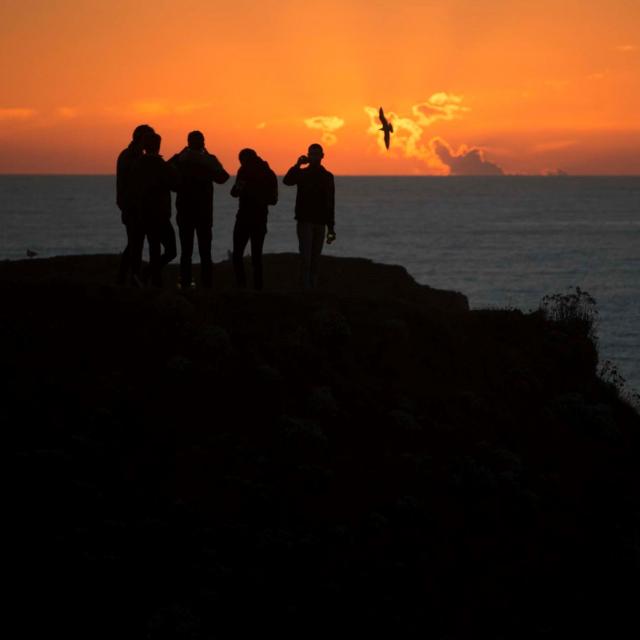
[256,188]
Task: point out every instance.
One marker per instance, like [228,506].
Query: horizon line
[361,175]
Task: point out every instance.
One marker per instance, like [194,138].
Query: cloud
[16,113]
[150,108]
[553,145]
[326,124]
[67,113]
[409,131]
[627,48]
[440,106]
[466,162]
[163,108]
[190,107]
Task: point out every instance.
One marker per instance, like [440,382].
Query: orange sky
[535,86]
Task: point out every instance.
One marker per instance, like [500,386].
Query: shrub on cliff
[575,311]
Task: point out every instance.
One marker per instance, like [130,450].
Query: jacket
[198,171]
[256,188]
[315,199]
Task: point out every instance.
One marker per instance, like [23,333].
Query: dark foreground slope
[371,459]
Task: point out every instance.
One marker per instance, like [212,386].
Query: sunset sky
[529,87]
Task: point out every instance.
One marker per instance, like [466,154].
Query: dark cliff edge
[368,459]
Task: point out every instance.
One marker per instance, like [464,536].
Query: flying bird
[387,127]
[31,254]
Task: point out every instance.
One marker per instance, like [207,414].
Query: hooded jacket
[256,188]
[198,171]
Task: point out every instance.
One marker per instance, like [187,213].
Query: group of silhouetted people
[145,181]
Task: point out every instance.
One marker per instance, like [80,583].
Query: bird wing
[387,138]
[383,120]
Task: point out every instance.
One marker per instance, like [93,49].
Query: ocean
[502,241]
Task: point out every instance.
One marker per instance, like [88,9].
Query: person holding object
[256,188]
[314,210]
[198,170]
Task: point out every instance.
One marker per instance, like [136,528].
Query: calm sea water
[504,241]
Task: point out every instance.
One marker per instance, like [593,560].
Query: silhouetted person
[256,188]
[315,210]
[198,171]
[124,200]
[153,179]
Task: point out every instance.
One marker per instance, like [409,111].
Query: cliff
[371,458]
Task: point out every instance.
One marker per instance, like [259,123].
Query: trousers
[243,232]
[310,243]
[203,231]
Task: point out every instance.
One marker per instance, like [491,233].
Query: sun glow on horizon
[468,85]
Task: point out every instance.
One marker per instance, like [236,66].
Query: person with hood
[198,170]
[256,187]
[124,200]
[153,179]
[315,205]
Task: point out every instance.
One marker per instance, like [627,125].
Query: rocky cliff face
[369,458]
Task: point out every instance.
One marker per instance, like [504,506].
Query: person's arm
[293,175]
[272,188]
[173,175]
[237,185]
[120,183]
[331,203]
[218,174]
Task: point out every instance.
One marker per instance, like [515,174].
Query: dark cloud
[467,162]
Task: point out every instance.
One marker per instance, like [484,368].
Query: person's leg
[185,229]
[204,232]
[257,242]
[125,258]
[136,234]
[168,241]
[240,239]
[154,234]
[305,239]
[316,249]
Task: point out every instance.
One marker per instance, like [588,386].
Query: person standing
[198,170]
[314,210]
[153,179]
[256,187]
[125,202]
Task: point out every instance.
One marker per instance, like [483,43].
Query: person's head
[195,140]
[315,154]
[151,143]
[140,132]
[247,157]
